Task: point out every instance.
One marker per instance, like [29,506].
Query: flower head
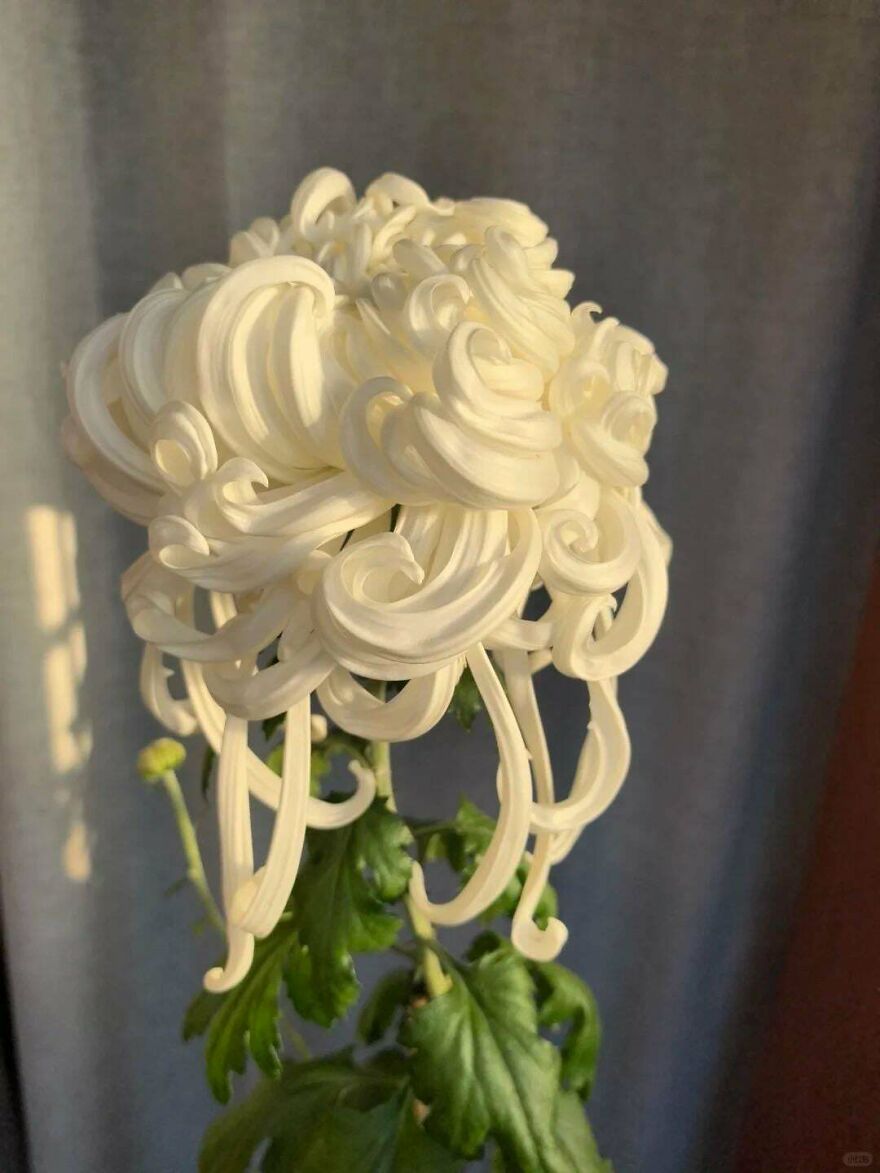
[369,437]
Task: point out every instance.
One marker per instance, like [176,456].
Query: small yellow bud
[159,757]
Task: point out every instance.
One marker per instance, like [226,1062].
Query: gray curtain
[711,170]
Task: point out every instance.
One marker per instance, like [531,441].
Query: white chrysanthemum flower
[263,419]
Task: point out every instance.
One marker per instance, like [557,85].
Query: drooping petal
[505,850]
[413,711]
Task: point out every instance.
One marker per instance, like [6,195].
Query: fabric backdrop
[711,171]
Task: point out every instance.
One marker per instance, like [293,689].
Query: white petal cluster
[364,441]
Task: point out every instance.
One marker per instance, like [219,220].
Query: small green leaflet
[327,1116]
[463,841]
[483,1069]
[466,700]
[339,908]
[334,744]
[245,1019]
[564,999]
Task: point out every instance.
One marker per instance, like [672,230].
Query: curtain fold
[711,172]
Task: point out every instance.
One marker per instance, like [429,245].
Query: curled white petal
[370,437]
[260,901]
[176,715]
[413,711]
[236,851]
[579,652]
[379,614]
[541,944]
[505,850]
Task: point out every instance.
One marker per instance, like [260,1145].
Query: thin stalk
[195,870]
[436,980]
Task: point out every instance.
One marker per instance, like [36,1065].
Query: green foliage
[271,725]
[244,1020]
[339,908]
[326,1116]
[296,1113]
[563,999]
[335,744]
[466,700]
[482,1067]
[575,1138]
[462,842]
[476,1066]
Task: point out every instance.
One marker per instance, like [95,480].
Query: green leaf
[387,999]
[466,700]
[563,999]
[387,1139]
[244,1020]
[483,1069]
[294,1114]
[339,908]
[199,1014]
[327,1116]
[463,841]
[575,1138]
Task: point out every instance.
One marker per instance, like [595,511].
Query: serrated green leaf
[565,1000]
[332,1001]
[339,908]
[483,1069]
[244,1020]
[386,1000]
[466,700]
[292,1114]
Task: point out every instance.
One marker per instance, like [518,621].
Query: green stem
[436,980]
[195,870]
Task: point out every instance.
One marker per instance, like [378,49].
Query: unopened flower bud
[159,757]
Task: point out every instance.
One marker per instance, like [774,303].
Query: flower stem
[195,870]
[436,980]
